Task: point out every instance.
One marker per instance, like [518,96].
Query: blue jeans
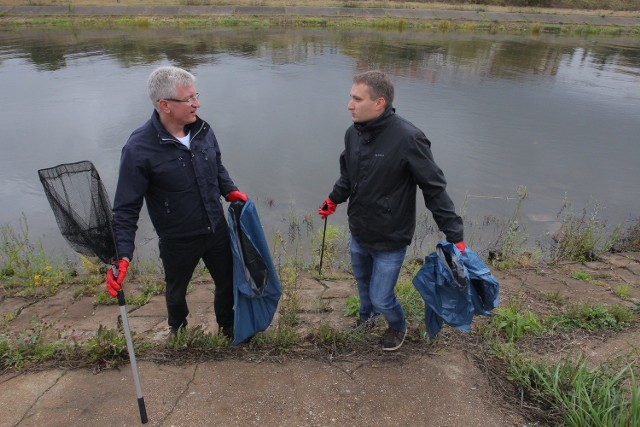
[376,274]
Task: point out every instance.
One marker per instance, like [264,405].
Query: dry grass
[327,3]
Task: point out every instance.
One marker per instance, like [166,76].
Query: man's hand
[327,208]
[113,284]
[236,196]
[461,246]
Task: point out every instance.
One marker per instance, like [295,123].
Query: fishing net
[82,209]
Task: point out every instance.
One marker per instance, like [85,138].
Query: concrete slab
[20,392]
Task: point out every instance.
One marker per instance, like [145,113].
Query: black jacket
[382,163]
[181,186]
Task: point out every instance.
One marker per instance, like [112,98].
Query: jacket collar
[164,136]
[371,129]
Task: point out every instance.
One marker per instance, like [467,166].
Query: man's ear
[381,103]
[163,106]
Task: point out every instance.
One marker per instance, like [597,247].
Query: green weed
[283,338]
[352,306]
[583,396]
[84,290]
[591,318]
[149,290]
[582,276]
[536,27]
[104,298]
[581,237]
[630,238]
[335,254]
[555,297]
[108,345]
[511,239]
[326,335]
[196,339]
[29,346]
[622,291]
[445,26]
[26,265]
[411,301]
[516,323]
[290,303]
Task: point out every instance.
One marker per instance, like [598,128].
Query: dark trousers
[180,258]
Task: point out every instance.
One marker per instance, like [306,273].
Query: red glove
[236,196]
[461,246]
[327,208]
[113,284]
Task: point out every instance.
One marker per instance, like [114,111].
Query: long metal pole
[132,356]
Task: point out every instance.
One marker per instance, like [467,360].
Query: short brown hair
[379,83]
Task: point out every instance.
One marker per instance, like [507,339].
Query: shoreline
[305,12]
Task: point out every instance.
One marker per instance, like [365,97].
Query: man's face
[183,107]
[362,107]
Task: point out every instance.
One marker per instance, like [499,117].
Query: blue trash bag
[455,286]
[256,286]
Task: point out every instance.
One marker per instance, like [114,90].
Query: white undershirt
[186,140]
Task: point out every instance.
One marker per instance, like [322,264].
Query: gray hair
[379,83]
[164,81]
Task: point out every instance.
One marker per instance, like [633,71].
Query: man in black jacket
[384,159]
[173,163]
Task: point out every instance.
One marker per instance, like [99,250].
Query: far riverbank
[315,16]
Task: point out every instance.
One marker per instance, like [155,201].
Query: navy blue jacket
[182,187]
[382,162]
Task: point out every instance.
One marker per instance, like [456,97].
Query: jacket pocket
[383,209]
[173,175]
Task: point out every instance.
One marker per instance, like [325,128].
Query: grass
[605,8]
[580,395]
[566,391]
[196,339]
[25,268]
[582,276]
[592,318]
[515,323]
[582,236]
[586,6]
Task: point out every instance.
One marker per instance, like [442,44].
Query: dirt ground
[448,382]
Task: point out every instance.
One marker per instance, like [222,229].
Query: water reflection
[408,52]
[557,114]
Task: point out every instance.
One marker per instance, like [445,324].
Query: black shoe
[365,324]
[227,332]
[176,329]
[393,339]
[368,324]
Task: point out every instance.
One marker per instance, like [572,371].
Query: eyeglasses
[190,100]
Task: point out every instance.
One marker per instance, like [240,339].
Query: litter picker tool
[82,209]
[324,233]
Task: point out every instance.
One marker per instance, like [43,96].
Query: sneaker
[392,339]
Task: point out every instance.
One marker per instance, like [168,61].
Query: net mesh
[82,209]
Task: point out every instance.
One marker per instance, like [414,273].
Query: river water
[558,115]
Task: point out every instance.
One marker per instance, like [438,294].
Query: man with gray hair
[384,159]
[173,163]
